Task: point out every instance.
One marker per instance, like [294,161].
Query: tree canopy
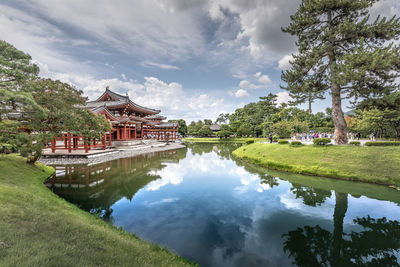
[343,51]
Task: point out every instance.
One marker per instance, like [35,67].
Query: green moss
[379,165]
[37,228]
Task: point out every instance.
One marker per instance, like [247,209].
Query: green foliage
[282,129]
[296,143]
[249,141]
[205,131]
[275,138]
[223,134]
[321,141]
[33,110]
[355,143]
[386,143]
[341,50]
[379,115]
[283,142]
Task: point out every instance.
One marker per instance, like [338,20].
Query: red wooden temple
[129,121]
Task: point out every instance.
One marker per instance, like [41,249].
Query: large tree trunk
[337,113]
[338,116]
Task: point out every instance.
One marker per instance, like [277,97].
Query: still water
[213,209]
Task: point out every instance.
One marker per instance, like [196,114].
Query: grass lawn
[379,165]
[37,228]
[218,140]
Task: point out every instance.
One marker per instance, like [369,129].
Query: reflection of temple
[99,186]
[129,121]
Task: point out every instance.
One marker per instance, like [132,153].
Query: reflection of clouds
[162,201]
[174,173]
[250,182]
[171,174]
[290,201]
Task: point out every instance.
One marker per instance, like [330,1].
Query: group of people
[308,137]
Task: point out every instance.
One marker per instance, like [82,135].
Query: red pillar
[118,137]
[69,142]
[86,145]
[104,141]
[134,134]
[129,132]
[124,135]
[53,145]
[141,131]
[109,141]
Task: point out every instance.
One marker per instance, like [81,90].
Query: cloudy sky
[192,59]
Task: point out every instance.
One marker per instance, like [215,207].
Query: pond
[216,210]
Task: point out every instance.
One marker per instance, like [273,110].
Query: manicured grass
[379,165]
[223,140]
[37,228]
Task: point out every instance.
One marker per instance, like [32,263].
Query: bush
[386,143]
[321,141]
[282,142]
[354,143]
[296,143]
[6,148]
[249,141]
[275,138]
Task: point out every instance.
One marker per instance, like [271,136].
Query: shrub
[249,141]
[386,143]
[275,138]
[354,143]
[296,143]
[321,141]
[282,142]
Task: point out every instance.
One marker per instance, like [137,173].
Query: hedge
[249,141]
[355,143]
[296,143]
[282,142]
[386,143]
[321,141]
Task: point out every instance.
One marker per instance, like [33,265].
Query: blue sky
[193,59]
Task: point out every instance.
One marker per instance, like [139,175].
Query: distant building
[215,127]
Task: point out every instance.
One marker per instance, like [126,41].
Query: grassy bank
[379,165]
[219,140]
[37,228]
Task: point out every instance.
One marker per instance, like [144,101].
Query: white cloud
[284,62]
[241,93]
[264,79]
[283,97]
[150,64]
[245,84]
[258,74]
[123,76]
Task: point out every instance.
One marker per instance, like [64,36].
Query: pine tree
[343,51]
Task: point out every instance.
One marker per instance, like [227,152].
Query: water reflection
[96,188]
[220,211]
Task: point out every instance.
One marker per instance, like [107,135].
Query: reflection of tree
[224,150]
[96,188]
[375,246]
[269,180]
[311,196]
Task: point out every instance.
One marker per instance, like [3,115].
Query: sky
[193,59]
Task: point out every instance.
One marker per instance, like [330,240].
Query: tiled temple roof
[119,100]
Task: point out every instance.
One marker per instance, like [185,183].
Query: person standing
[270,138]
